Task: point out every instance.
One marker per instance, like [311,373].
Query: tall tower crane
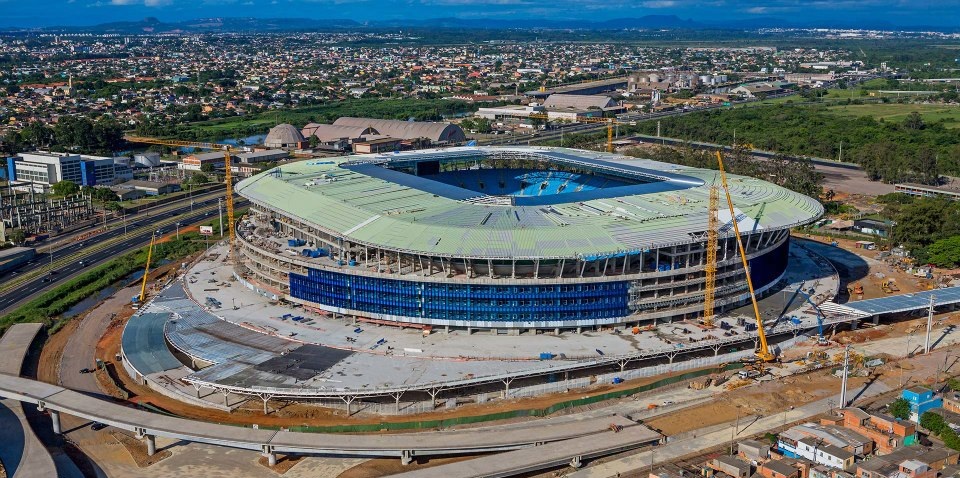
[763,353]
[710,267]
[227,149]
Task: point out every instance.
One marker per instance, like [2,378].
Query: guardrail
[57,263]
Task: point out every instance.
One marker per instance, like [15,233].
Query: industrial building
[435,133]
[284,136]
[196,161]
[508,238]
[39,170]
[149,188]
[263,156]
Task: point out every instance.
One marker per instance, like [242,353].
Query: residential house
[887,433]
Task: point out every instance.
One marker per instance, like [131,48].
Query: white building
[44,169]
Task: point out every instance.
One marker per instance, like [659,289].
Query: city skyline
[871,14]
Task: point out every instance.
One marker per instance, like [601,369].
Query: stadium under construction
[508,239]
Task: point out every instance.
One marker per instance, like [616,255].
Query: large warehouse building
[509,239]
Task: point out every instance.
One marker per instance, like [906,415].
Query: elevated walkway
[149,425]
[21,452]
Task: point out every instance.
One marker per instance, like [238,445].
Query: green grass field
[897,112]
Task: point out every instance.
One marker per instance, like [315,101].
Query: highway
[138,234]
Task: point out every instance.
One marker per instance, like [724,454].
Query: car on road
[98,426]
[667,402]
[52,272]
[82,264]
[85,370]
[45,279]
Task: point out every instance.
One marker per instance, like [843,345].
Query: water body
[85,305]
[247,141]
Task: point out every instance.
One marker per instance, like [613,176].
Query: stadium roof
[393,211]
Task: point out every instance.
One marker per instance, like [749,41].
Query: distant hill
[647,22]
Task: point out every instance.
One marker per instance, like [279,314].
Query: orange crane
[763,353]
[710,267]
[227,149]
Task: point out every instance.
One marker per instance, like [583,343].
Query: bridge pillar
[55,419]
[576,462]
[672,356]
[270,454]
[151,444]
[853,325]
[716,349]
[876,319]
[406,457]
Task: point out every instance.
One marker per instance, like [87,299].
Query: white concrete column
[55,419]
[151,444]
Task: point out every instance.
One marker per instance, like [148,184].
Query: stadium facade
[508,238]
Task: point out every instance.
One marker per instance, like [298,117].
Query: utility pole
[926,342]
[843,383]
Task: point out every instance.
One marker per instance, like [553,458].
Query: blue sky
[30,13]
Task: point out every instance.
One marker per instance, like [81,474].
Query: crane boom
[228,173]
[763,353]
[146,270]
[710,268]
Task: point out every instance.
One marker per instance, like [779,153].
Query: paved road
[13,298]
[21,452]
[699,442]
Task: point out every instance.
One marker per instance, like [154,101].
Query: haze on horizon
[869,13]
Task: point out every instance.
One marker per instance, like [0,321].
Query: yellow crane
[146,270]
[763,353]
[710,268]
[228,176]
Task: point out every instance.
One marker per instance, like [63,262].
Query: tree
[17,236]
[207,168]
[104,195]
[900,408]
[314,141]
[66,188]
[914,121]
[954,384]
[933,422]
[950,438]
[198,179]
[945,252]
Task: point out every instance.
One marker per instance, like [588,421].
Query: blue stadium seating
[523,182]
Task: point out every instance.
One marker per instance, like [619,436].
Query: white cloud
[659,4]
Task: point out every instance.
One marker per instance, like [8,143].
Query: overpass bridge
[148,426]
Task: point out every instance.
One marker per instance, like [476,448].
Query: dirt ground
[762,399]
[879,271]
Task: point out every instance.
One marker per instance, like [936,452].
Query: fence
[534,412]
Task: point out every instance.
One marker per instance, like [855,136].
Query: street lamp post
[178,231]
[736,428]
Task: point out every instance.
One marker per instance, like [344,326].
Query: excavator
[763,352]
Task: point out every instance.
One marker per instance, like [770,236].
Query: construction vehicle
[138,299]
[857,290]
[763,353]
[228,173]
[889,286]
